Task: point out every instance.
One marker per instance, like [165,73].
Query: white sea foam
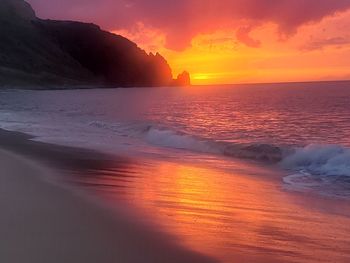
[321,168]
[177,140]
[327,160]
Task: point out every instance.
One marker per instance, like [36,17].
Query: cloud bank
[181,20]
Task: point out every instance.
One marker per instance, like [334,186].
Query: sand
[43,222]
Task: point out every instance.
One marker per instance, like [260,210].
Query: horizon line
[278,82]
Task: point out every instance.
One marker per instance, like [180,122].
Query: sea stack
[183,79]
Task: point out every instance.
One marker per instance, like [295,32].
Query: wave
[326,160]
[164,137]
[321,168]
[317,160]
[179,140]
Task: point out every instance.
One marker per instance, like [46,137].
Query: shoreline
[43,222]
[178,210]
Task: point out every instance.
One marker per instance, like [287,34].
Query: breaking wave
[316,160]
[326,160]
[323,168]
[179,140]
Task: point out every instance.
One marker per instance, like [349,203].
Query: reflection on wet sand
[232,216]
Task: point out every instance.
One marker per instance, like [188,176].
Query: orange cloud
[243,36]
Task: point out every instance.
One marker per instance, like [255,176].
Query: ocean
[243,173]
[303,128]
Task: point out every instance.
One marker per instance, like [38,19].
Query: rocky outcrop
[14,11]
[183,79]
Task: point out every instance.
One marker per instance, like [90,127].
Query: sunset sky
[227,41]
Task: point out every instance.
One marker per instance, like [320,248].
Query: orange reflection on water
[210,212]
[241,216]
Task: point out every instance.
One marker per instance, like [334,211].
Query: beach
[202,174]
[66,204]
[44,222]
[174,131]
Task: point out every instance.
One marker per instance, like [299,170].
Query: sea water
[302,128]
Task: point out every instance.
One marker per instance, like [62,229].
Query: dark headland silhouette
[36,52]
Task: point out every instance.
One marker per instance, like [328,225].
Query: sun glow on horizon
[200,76]
[219,58]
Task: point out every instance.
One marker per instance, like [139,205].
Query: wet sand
[242,214]
[44,222]
[238,215]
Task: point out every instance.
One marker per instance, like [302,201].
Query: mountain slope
[35,52]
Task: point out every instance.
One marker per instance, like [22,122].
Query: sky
[227,41]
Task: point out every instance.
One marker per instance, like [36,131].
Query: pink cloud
[181,20]
[327,42]
[243,36]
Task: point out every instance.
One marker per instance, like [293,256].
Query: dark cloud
[180,20]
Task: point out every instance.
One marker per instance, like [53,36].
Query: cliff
[37,53]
